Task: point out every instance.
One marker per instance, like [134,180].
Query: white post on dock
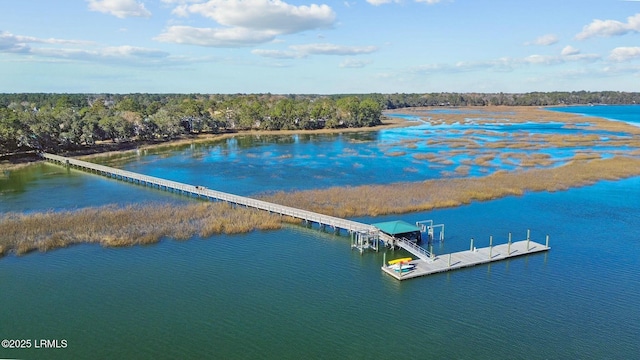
[547,243]
[376,241]
[527,239]
[509,246]
[471,247]
[384,259]
[449,259]
[490,246]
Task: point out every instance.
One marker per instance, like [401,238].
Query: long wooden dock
[203,192]
[462,259]
[426,264]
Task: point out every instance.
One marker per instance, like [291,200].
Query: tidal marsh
[112,226]
[569,160]
[376,200]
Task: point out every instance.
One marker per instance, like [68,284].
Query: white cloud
[498,65]
[277,54]
[246,22]
[544,40]
[132,51]
[181,11]
[569,50]
[354,63]
[18,43]
[508,64]
[78,50]
[621,54]
[302,51]
[273,15]
[382,2]
[570,53]
[13,43]
[181,1]
[608,28]
[542,59]
[119,8]
[119,54]
[332,49]
[215,37]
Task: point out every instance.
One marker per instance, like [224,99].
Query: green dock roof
[396,227]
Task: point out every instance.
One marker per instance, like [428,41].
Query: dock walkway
[201,191]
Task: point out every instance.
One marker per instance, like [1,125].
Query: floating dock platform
[462,259]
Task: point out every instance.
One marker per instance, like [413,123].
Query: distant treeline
[54,122]
[396,101]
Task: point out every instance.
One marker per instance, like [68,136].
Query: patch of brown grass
[427,195]
[395,153]
[462,170]
[113,226]
[424,156]
[485,160]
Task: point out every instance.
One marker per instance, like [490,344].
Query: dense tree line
[396,101]
[54,122]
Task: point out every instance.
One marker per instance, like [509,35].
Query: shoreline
[15,161]
[388,123]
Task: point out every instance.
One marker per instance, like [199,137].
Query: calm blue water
[626,113]
[254,165]
[301,293]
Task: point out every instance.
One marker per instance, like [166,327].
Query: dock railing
[415,249]
[332,221]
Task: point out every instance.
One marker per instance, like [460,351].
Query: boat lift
[365,239]
[427,226]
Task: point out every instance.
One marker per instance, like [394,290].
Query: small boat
[400,261]
[402,267]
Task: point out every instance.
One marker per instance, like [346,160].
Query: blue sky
[319,47]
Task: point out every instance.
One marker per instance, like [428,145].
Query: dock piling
[490,246]
[547,242]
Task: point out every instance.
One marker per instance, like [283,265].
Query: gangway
[415,249]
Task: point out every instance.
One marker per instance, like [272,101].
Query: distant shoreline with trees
[86,123]
[72,122]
